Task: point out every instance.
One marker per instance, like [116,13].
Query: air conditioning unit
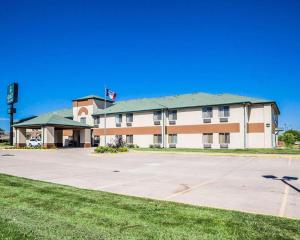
[172,122]
[207,145]
[129,124]
[206,120]
[118,124]
[172,145]
[224,145]
[223,119]
[156,122]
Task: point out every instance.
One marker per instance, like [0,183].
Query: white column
[48,137]
[20,137]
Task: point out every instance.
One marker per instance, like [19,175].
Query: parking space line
[282,208]
[284,202]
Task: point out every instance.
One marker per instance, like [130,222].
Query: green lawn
[241,151]
[37,210]
[4,144]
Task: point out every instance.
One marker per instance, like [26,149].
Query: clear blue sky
[59,50]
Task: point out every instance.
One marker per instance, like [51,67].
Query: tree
[2,131]
[295,133]
[289,139]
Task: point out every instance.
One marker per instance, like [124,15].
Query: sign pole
[11,122]
[12,98]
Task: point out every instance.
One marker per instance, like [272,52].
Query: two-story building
[197,120]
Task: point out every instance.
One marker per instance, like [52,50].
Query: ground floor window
[97,140]
[129,139]
[207,138]
[224,138]
[157,139]
[172,139]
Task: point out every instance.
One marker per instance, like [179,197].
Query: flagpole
[105,91]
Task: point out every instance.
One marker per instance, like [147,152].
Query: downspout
[245,126]
[163,129]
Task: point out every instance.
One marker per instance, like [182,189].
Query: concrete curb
[223,154]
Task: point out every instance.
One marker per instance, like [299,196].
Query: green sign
[12,93]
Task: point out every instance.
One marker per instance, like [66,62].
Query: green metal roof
[67,112]
[179,101]
[92,97]
[51,119]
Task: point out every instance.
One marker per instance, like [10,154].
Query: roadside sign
[12,93]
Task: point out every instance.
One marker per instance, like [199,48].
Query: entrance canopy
[50,119]
[52,126]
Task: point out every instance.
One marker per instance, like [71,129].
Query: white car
[34,142]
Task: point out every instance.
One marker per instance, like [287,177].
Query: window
[119,118]
[157,139]
[157,116]
[172,139]
[173,115]
[129,139]
[129,117]
[224,111]
[207,112]
[207,138]
[83,120]
[96,140]
[97,120]
[224,138]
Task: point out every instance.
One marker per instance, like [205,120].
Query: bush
[108,149]
[154,146]
[132,146]
[289,139]
[123,149]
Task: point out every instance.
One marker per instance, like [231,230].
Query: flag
[112,95]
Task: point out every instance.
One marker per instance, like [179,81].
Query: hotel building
[198,120]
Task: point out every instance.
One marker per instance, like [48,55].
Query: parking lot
[268,185]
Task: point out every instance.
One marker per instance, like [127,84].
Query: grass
[241,151]
[4,144]
[38,210]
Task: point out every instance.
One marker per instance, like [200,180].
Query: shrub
[132,146]
[155,146]
[108,149]
[289,139]
[123,149]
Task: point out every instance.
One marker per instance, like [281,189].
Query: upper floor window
[224,111]
[157,116]
[207,138]
[83,120]
[97,120]
[129,117]
[207,112]
[119,118]
[173,115]
[224,138]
